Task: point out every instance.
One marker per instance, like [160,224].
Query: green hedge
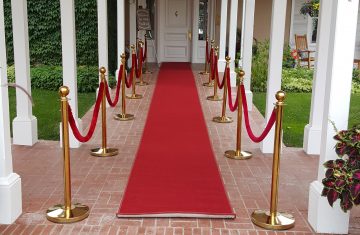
[44,25]
[50,77]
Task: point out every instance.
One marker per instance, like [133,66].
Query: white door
[174,33]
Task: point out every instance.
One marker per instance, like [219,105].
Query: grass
[296,114]
[47,110]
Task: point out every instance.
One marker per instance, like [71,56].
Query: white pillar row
[120,29]
[312,131]
[223,29]
[68,41]
[10,182]
[321,216]
[242,34]
[232,38]
[277,33]
[24,124]
[248,32]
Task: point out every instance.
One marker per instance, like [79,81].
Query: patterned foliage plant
[342,177]
[310,7]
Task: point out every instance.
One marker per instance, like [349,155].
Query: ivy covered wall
[45,32]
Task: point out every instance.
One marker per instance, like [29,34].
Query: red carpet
[175,173]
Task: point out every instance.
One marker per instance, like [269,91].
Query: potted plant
[342,177]
[311,8]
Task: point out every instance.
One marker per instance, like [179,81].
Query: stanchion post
[215,97]
[210,83]
[146,71]
[238,154]
[133,93]
[205,72]
[223,118]
[141,82]
[67,213]
[273,219]
[103,151]
[123,116]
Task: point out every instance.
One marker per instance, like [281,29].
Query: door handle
[189,35]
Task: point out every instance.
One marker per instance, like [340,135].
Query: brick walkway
[100,183]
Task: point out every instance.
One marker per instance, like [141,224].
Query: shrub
[288,60]
[259,70]
[50,77]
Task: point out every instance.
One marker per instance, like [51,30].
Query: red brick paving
[100,183]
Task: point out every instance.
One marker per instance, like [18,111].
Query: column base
[322,217]
[25,131]
[73,142]
[267,145]
[10,198]
[312,139]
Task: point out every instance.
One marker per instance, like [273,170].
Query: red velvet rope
[211,55]
[232,106]
[145,52]
[268,127]
[91,130]
[226,73]
[129,81]
[139,63]
[107,92]
[207,51]
[214,67]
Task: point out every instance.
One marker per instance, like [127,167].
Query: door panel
[175,24]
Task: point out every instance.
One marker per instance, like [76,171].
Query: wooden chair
[304,54]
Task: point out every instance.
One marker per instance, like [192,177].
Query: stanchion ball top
[102,70]
[241,73]
[123,56]
[212,41]
[227,58]
[64,91]
[280,96]
[132,46]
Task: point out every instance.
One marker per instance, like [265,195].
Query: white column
[232,38]
[312,131]
[132,25]
[248,32]
[277,33]
[222,43]
[102,33]
[120,29]
[68,42]
[10,182]
[24,124]
[321,216]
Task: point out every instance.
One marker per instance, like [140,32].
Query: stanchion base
[214,98]
[242,155]
[77,213]
[208,84]
[204,73]
[147,72]
[124,117]
[222,119]
[134,96]
[282,221]
[101,152]
[142,83]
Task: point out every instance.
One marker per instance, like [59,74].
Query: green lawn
[47,110]
[296,114]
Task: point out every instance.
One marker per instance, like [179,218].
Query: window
[203,18]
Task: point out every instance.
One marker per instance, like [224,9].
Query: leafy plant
[342,177]
[310,7]
[51,78]
[288,59]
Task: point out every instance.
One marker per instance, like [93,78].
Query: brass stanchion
[223,118]
[273,219]
[67,213]
[210,83]
[141,82]
[146,71]
[205,72]
[133,94]
[104,151]
[238,154]
[215,97]
[123,116]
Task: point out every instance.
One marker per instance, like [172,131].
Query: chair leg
[309,63]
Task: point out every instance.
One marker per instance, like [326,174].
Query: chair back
[301,42]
